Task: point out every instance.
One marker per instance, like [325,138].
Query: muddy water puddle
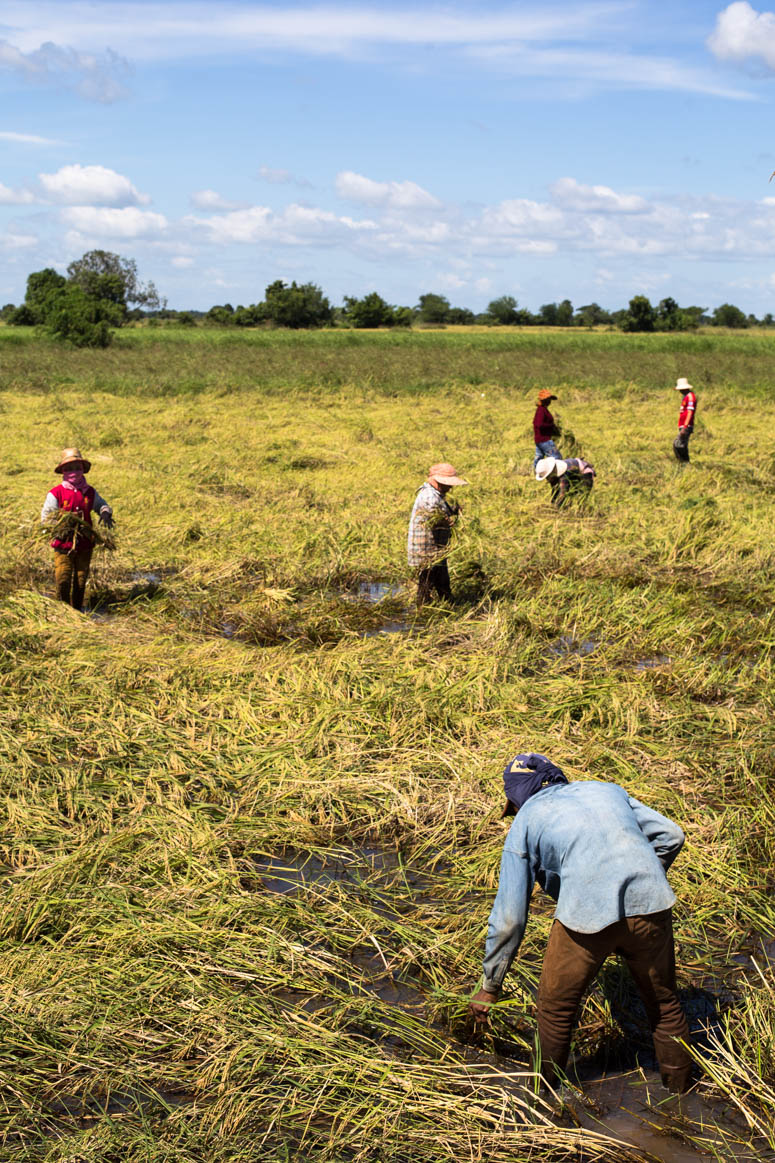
[379,867]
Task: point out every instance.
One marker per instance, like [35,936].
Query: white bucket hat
[549,464]
[683,385]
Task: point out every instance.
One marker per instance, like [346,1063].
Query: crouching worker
[430,530]
[73,545]
[602,856]
[573,475]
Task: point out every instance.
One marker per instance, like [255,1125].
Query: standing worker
[602,856]
[544,427]
[565,476]
[430,530]
[73,546]
[685,419]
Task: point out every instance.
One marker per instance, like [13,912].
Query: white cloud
[743,34]
[212,200]
[94,185]
[13,241]
[394,195]
[294,225]
[602,199]
[279,177]
[97,77]
[28,138]
[182,261]
[102,222]
[9,197]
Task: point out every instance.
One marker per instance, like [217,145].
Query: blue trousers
[545,448]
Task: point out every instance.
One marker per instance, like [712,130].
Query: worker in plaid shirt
[430,530]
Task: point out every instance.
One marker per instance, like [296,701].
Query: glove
[106,518]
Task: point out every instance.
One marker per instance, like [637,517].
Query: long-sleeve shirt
[543,424]
[430,527]
[51,504]
[598,852]
[688,411]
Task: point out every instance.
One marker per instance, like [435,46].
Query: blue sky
[544,150]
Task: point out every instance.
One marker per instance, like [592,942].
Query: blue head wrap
[524,776]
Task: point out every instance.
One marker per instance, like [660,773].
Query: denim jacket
[599,853]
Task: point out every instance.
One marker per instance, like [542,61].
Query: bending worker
[545,427]
[685,419]
[565,476]
[602,856]
[73,546]
[430,530]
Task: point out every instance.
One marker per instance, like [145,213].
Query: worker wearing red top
[545,428]
[685,419]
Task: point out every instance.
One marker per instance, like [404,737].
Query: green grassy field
[252,842]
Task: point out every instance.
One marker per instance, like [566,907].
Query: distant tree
[7,311]
[460,316]
[297,305]
[668,315]
[370,311]
[565,313]
[753,321]
[80,319]
[403,316]
[220,315]
[248,316]
[186,319]
[433,308]
[548,314]
[43,287]
[727,315]
[767,320]
[22,317]
[105,275]
[504,310]
[591,315]
[641,316]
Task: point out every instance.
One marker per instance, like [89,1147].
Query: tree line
[101,292]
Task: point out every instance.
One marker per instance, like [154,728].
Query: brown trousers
[433,577]
[71,571]
[572,960]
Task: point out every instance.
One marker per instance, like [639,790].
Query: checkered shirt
[430,527]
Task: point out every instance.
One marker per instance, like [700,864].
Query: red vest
[69,500]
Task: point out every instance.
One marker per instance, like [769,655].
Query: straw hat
[549,464]
[544,396]
[70,456]
[683,385]
[445,474]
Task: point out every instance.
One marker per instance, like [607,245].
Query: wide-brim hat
[445,474]
[70,456]
[549,464]
[544,396]
[683,385]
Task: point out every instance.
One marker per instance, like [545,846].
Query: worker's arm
[665,837]
[506,926]
[50,505]
[103,509]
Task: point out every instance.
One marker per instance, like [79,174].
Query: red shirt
[688,409]
[543,424]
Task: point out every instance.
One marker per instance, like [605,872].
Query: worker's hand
[480,1003]
[106,518]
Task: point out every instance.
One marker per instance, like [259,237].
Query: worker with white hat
[685,419]
[430,531]
[73,539]
[572,474]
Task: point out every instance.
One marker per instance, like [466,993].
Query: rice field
[252,798]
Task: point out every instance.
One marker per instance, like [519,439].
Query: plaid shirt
[430,527]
